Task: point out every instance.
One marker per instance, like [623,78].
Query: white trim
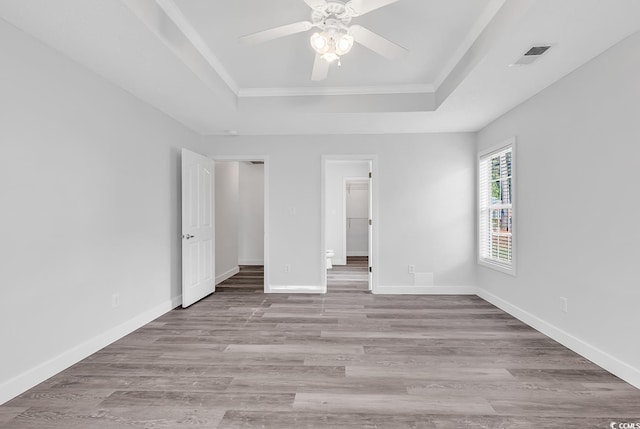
[499,267]
[357,253]
[483,21]
[173,11]
[512,269]
[601,358]
[34,376]
[343,222]
[265,251]
[295,289]
[500,18]
[251,262]
[323,221]
[425,290]
[336,91]
[230,273]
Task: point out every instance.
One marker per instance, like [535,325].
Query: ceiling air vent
[532,55]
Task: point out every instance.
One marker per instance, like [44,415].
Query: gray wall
[251,214]
[90,209]
[226,209]
[578,170]
[426,192]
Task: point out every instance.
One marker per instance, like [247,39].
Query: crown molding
[329,91]
[499,28]
[180,20]
[478,27]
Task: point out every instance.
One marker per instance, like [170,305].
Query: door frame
[265,159]
[375,262]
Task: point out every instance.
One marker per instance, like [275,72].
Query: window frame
[482,155]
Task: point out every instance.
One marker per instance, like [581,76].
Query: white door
[370,243]
[198,245]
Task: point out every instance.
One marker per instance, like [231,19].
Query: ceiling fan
[335,35]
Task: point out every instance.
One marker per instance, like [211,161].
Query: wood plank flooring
[244,360]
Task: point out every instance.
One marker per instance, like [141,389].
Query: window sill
[511,270]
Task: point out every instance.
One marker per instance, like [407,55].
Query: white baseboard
[358,253]
[295,289]
[425,290]
[251,262]
[230,273]
[601,358]
[30,378]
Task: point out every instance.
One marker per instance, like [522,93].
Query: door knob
[188,236]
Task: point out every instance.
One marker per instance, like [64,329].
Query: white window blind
[495,223]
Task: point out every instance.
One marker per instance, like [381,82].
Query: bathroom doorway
[349,246]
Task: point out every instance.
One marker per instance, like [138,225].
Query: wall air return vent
[532,55]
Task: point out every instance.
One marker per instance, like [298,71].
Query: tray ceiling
[184,58]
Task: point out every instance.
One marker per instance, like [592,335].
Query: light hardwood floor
[348,359]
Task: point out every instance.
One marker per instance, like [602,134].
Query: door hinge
[370,175]
[370,269]
[370,222]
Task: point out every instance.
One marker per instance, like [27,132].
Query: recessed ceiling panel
[432,30]
[184,58]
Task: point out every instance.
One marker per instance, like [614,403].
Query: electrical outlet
[564,302]
[287,268]
[412,269]
[115,300]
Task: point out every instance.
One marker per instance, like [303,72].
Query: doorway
[356,204]
[241,223]
[349,235]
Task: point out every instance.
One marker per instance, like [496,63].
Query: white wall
[426,195]
[578,169]
[251,214]
[335,210]
[90,190]
[226,218]
[357,202]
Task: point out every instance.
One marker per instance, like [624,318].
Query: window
[496,207]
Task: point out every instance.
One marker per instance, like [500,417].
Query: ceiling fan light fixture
[344,44]
[320,42]
[335,36]
[330,57]
[331,44]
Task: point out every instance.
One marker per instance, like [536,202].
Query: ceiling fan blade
[316,4]
[275,33]
[360,7]
[376,43]
[320,69]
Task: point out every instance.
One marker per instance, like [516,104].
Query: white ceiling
[287,62]
[183,57]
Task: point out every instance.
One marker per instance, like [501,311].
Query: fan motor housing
[335,12]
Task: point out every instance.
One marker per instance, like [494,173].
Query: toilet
[329,253]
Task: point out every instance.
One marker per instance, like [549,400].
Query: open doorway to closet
[240,193]
[348,224]
[356,225]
